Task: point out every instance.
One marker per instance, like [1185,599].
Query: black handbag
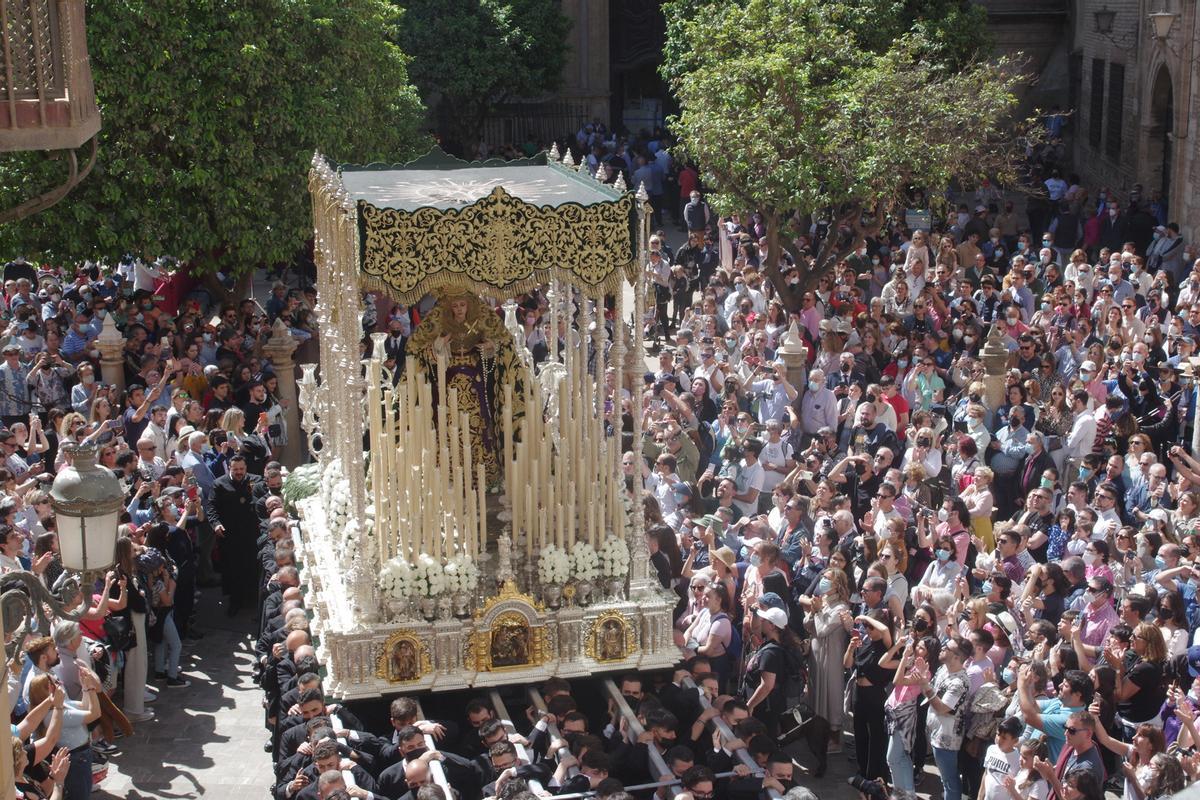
[118,628]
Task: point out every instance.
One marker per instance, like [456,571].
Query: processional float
[472,525]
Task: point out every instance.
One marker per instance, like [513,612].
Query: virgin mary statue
[480,361]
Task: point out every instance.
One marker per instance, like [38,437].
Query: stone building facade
[1134,96]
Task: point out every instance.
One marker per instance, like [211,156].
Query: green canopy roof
[492,227]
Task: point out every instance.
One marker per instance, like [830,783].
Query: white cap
[775,616]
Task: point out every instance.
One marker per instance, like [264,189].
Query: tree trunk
[834,248]
[222,296]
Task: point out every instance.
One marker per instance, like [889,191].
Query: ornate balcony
[47,101]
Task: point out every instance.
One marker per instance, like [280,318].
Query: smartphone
[275,431]
[191,492]
[262,418]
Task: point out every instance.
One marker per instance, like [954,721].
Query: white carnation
[585,564]
[554,566]
[614,558]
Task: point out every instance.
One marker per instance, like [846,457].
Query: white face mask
[943,515]
[1090,558]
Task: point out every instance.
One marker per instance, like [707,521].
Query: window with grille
[1116,111]
[1096,109]
[30,44]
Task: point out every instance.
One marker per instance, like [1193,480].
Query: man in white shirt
[775,393]
[750,481]
[819,406]
[1108,519]
[1083,432]
[740,291]
[776,457]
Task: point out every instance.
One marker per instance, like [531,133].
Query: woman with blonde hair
[980,504]
[233,422]
[829,624]
[915,491]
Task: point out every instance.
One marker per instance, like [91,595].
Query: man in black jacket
[236,524]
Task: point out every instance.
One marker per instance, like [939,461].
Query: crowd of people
[192,438]
[993,574]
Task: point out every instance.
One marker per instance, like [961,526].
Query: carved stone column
[994,356]
[793,352]
[111,345]
[279,349]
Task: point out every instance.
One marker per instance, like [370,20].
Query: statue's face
[459,309]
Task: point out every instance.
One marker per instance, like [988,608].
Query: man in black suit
[1037,462]
[236,524]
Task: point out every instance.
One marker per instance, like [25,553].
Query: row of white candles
[569,492]
[428,504]
[558,494]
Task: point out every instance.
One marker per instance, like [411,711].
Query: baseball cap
[771,600]
[1087,366]
[681,488]
[775,616]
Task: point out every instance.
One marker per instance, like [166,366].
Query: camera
[875,790]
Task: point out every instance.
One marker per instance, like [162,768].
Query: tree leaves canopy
[783,109]
[471,55]
[211,112]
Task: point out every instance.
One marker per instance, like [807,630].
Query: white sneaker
[149,697]
[139,716]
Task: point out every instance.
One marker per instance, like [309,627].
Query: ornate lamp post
[86,499]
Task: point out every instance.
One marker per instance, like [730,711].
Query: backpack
[734,648]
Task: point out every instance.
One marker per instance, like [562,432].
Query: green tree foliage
[471,55]
[211,112]
[788,112]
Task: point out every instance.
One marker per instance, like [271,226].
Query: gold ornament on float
[611,638]
[403,658]
[508,633]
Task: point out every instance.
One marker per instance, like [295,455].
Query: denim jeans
[166,652]
[947,765]
[78,784]
[900,763]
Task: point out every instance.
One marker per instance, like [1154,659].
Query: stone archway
[1159,133]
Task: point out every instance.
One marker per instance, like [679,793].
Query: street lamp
[87,501]
[1104,20]
[1162,22]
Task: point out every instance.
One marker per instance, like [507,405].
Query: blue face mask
[1008,676]
[943,555]
[1084,472]
[824,585]
[986,588]
[1160,562]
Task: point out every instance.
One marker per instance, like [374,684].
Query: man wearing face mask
[1082,437]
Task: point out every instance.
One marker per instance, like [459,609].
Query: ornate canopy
[492,227]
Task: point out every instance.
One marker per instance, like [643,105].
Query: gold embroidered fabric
[499,245]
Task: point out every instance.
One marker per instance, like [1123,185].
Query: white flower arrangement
[396,579]
[429,579]
[554,566]
[614,558]
[462,575]
[585,564]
